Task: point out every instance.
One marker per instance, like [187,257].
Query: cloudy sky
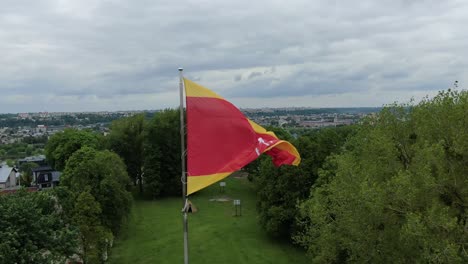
[88,55]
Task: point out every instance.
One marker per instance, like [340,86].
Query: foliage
[32,229]
[26,173]
[126,139]
[280,189]
[11,120]
[104,173]
[94,237]
[19,150]
[10,163]
[35,140]
[399,193]
[162,155]
[63,144]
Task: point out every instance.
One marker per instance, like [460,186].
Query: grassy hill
[154,233]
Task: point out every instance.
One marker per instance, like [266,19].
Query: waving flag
[221,140]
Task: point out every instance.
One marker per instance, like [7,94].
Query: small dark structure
[191,208]
[45,177]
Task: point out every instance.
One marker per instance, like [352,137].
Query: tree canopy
[103,173]
[33,229]
[26,173]
[126,139]
[63,144]
[162,155]
[280,189]
[399,193]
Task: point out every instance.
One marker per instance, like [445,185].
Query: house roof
[33,158]
[42,168]
[4,172]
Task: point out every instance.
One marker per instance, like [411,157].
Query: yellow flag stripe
[195,90]
[195,183]
[259,129]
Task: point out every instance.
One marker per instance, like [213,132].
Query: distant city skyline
[244,109]
[86,55]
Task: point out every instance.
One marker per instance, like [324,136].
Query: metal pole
[182,159]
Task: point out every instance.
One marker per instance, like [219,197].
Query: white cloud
[122,54]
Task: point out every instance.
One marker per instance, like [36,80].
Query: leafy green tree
[126,139]
[10,163]
[280,189]
[162,168]
[94,237]
[63,144]
[33,230]
[2,154]
[399,193]
[29,150]
[104,173]
[26,173]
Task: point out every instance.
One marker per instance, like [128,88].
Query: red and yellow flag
[221,140]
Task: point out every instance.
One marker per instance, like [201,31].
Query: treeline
[312,111]
[150,149]
[391,190]
[20,150]
[10,120]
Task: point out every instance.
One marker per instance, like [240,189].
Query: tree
[63,144]
[280,189]
[10,163]
[26,173]
[399,192]
[162,168]
[94,237]
[2,154]
[33,230]
[104,173]
[126,139]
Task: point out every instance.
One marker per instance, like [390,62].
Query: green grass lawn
[154,233]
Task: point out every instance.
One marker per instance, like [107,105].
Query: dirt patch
[240,174]
[220,199]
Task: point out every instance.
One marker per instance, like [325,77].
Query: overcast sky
[89,55]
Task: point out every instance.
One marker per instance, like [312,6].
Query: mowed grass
[154,233]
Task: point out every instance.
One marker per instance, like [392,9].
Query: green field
[154,233]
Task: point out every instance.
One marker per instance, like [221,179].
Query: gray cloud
[254,74]
[92,53]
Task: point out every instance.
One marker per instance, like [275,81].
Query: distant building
[7,177]
[41,129]
[282,122]
[23,116]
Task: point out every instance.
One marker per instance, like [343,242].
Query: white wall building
[7,176]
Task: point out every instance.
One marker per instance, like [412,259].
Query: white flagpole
[182,158]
